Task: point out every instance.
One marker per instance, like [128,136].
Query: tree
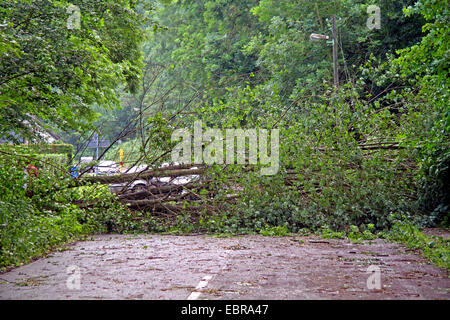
[54,70]
[426,65]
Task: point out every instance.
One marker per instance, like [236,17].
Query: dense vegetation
[55,67]
[371,154]
[376,149]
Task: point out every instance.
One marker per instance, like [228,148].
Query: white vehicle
[135,185]
[107,168]
[86,159]
[141,184]
[182,180]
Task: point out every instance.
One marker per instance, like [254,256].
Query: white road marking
[197,292]
[204,282]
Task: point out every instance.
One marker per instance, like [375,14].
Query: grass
[435,249]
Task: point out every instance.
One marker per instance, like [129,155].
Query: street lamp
[316,37]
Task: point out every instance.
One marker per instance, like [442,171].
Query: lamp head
[316,37]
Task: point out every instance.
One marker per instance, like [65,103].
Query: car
[134,186]
[108,168]
[144,184]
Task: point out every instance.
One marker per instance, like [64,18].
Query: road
[201,267]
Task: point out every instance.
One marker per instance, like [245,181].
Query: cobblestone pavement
[245,267]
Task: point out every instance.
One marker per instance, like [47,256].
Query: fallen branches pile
[173,190]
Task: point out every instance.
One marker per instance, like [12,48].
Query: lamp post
[316,37]
[335,59]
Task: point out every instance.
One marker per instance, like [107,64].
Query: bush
[38,213]
[30,222]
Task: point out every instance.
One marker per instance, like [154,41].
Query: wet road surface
[245,267]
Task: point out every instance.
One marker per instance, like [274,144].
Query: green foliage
[131,150]
[32,220]
[58,154]
[60,148]
[338,182]
[426,64]
[436,249]
[39,213]
[349,159]
[104,214]
[278,231]
[327,233]
[435,189]
[53,73]
[327,178]
[146,148]
[25,235]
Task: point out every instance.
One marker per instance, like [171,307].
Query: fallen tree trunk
[127,177]
[150,202]
[154,191]
[171,198]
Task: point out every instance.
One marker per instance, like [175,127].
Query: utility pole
[335,52]
[334,41]
[96,153]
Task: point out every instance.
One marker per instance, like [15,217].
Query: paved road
[205,267]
